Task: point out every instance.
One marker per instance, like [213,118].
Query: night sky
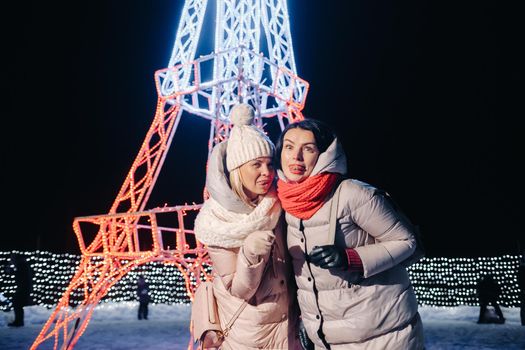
[426,97]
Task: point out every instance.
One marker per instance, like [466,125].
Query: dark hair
[323,134]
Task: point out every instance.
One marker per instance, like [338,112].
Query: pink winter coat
[269,321]
[378,310]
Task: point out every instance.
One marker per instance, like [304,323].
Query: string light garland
[452,281]
[437,281]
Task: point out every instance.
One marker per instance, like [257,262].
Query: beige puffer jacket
[376,311]
[269,320]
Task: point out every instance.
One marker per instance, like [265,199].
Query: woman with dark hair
[354,292]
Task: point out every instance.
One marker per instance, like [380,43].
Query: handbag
[205,314]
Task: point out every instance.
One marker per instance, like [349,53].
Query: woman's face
[299,154]
[257,176]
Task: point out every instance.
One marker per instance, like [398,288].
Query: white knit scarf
[217,226]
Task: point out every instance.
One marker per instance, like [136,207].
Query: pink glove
[257,245]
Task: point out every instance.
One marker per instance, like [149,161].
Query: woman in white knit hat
[241,225]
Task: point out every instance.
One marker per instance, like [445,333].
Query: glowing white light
[437,281]
[237,69]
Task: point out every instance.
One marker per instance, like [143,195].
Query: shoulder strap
[229,325]
[333,214]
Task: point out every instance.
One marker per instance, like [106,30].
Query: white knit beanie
[246,141]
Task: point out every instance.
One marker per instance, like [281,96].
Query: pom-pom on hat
[246,141]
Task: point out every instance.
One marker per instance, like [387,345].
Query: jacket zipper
[320,333]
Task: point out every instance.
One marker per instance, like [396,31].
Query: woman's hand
[211,340]
[257,244]
[306,343]
[328,257]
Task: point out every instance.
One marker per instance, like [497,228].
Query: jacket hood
[218,184]
[333,160]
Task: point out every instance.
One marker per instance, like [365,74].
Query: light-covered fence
[437,281]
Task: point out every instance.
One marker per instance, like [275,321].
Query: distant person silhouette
[24,285]
[488,293]
[521,284]
[144,298]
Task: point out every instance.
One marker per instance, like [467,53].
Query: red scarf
[303,199]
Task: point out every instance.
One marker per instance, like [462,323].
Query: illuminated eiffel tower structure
[238,72]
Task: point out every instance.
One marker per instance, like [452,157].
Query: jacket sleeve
[240,278]
[394,237]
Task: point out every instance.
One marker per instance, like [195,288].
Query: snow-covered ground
[115,326]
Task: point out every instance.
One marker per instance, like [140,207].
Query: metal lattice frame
[240,71]
[188,34]
[129,236]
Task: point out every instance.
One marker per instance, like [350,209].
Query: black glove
[328,257]
[306,343]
